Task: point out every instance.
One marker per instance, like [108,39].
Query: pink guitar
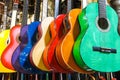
[14,42]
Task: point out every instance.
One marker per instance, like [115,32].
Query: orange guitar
[65,45]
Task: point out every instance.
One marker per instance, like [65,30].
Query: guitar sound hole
[37,36]
[103,23]
[19,38]
[8,41]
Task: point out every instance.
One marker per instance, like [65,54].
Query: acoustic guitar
[53,32]
[53,27]
[3,42]
[37,50]
[76,50]
[6,55]
[14,41]
[101,51]
[57,31]
[23,40]
[32,37]
[64,48]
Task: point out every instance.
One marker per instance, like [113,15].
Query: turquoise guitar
[97,47]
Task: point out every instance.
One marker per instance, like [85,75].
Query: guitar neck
[37,10]
[102,8]
[44,14]
[14,14]
[25,12]
[57,4]
[5,18]
[69,5]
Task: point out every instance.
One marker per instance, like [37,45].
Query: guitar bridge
[104,50]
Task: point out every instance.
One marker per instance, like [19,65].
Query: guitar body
[18,50]
[4,35]
[24,55]
[57,27]
[64,48]
[14,42]
[37,50]
[102,51]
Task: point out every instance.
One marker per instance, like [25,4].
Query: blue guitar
[22,51]
[24,55]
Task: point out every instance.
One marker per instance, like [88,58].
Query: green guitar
[98,45]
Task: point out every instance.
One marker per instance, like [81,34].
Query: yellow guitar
[4,35]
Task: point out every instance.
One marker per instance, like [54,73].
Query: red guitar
[59,31]
[48,52]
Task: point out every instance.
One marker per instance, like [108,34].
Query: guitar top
[14,41]
[4,35]
[64,50]
[37,50]
[101,51]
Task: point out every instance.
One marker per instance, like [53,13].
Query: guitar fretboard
[102,8]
